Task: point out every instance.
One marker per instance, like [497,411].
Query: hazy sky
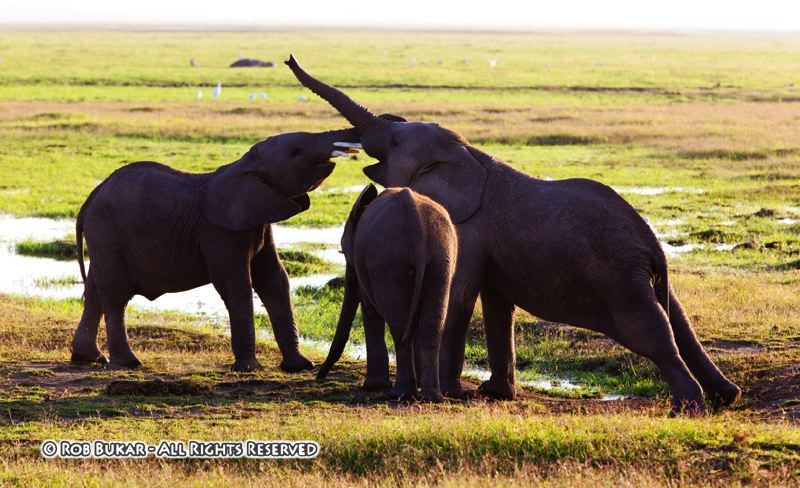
[772,15]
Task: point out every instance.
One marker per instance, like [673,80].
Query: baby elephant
[154,230]
[400,249]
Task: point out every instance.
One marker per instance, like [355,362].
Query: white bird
[302,98]
[262,95]
[385,53]
[241,55]
[412,62]
[217,90]
[251,96]
[492,62]
[193,63]
[465,61]
[199,94]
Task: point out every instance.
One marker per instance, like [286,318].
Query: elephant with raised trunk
[570,251]
[400,249]
[155,230]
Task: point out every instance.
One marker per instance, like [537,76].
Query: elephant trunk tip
[291,62]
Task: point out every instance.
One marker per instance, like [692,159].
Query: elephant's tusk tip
[349,145]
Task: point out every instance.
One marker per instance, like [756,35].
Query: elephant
[400,248]
[154,230]
[571,251]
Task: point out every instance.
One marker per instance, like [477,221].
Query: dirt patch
[776,393]
[156,387]
[731,347]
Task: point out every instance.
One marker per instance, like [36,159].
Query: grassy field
[700,133]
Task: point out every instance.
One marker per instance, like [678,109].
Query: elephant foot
[246,365]
[90,357]
[126,363]
[296,363]
[403,393]
[725,396]
[431,396]
[379,383]
[498,390]
[686,408]
[458,392]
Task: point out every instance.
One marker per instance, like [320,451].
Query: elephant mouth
[303,201]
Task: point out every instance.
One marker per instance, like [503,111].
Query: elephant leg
[719,389]
[84,343]
[641,325]
[454,339]
[119,350]
[426,352]
[377,354]
[405,383]
[271,283]
[236,291]
[498,318]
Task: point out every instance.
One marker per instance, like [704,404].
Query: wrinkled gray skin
[570,251]
[155,230]
[400,249]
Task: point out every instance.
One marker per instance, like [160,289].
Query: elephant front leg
[271,283]
[498,318]
[232,281]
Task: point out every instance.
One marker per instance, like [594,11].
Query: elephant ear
[455,180]
[236,199]
[393,117]
[368,194]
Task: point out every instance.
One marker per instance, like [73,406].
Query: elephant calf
[155,230]
[400,249]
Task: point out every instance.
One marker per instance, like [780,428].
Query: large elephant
[400,249]
[154,230]
[570,251]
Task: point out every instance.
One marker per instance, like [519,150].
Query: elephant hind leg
[641,325]
[719,389]
[84,343]
[121,355]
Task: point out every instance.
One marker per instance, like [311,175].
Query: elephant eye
[295,151]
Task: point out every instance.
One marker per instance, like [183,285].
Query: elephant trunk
[346,316]
[355,113]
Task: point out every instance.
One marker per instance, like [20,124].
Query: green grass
[709,120]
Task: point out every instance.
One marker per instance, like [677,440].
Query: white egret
[217,90]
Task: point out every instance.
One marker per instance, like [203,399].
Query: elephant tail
[661,283]
[420,265]
[79,243]
[346,316]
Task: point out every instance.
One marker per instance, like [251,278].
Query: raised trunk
[355,113]
[346,316]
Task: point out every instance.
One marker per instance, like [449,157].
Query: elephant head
[431,159]
[271,181]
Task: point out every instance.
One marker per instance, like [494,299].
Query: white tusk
[351,145]
[336,154]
